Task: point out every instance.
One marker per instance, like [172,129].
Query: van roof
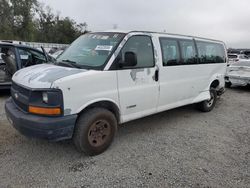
[161,33]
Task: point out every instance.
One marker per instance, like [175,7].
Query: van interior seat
[10,62]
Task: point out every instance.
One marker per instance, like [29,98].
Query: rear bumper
[49,128]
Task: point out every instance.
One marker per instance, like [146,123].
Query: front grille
[20,96]
[21,89]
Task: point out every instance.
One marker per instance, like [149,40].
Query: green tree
[24,11]
[6,20]
[29,20]
[66,30]
[46,24]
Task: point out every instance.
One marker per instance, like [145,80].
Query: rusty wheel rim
[211,101]
[99,133]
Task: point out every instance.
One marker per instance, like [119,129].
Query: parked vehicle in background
[107,78]
[238,74]
[234,58]
[233,51]
[17,56]
[239,51]
[247,53]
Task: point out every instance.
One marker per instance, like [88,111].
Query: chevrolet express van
[107,78]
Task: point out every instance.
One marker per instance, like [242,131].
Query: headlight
[46,102]
[45,97]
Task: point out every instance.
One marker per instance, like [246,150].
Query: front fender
[96,101]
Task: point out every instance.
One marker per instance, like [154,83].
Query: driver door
[137,85]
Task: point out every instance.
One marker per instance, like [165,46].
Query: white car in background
[238,74]
[234,58]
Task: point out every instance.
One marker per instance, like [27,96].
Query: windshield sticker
[104,47]
[105,37]
[24,57]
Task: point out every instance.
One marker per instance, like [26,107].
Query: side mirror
[130,60]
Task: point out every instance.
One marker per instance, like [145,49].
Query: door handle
[156,75]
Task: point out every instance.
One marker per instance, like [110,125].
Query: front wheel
[95,131]
[208,105]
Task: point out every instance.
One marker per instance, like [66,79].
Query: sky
[226,20]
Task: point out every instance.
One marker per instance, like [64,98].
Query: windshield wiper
[70,63]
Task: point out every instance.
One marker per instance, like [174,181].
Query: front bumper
[49,128]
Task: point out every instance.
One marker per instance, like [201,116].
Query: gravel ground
[178,148]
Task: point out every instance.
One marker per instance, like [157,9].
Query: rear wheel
[208,105]
[95,131]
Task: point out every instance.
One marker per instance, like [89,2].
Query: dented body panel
[238,74]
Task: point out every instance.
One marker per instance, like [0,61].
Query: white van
[107,78]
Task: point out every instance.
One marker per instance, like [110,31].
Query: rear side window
[188,52]
[170,52]
[210,52]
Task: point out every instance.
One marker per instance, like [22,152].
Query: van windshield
[91,50]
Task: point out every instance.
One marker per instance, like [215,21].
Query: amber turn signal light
[44,111]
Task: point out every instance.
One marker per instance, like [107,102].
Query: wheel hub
[211,101]
[99,132]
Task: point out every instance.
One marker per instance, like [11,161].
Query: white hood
[42,76]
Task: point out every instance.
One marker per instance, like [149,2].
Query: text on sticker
[104,47]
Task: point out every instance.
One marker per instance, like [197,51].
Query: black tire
[228,84]
[95,131]
[208,105]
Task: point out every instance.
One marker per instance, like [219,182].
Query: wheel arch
[215,83]
[103,103]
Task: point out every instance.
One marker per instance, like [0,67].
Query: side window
[188,52]
[170,52]
[143,48]
[25,57]
[30,57]
[7,51]
[38,57]
[210,52]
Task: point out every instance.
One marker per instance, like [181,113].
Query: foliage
[28,20]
